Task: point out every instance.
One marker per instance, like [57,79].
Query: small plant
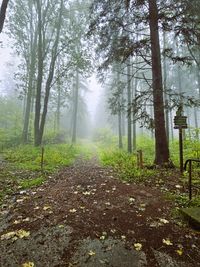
[29,183]
[125,164]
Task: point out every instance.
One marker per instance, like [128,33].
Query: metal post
[190,179]
[181,149]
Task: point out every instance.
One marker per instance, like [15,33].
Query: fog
[67,86]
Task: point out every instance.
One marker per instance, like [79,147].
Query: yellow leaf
[86,193]
[26,219]
[91,253]
[46,207]
[179,252]
[138,246]
[167,242]
[28,264]
[16,222]
[8,235]
[164,221]
[22,233]
[72,210]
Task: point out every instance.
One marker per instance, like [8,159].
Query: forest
[99,133]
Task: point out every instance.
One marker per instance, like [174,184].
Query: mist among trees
[145,54]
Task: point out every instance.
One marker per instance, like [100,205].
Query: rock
[110,252]
[44,247]
[165,260]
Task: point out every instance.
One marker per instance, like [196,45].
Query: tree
[3,13]
[161,143]
[109,17]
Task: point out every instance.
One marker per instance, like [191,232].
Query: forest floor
[85,216]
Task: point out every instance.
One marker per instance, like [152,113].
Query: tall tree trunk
[129,113]
[40,122]
[134,90]
[3,13]
[161,144]
[196,125]
[120,127]
[58,109]
[165,88]
[30,90]
[39,78]
[119,113]
[75,112]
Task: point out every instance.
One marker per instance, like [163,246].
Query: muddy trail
[86,216]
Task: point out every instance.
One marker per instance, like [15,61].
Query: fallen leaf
[46,207]
[164,221]
[86,193]
[138,246]
[179,252]
[167,242]
[131,199]
[22,233]
[72,210]
[28,264]
[91,253]
[8,235]
[26,219]
[178,186]
[16,222]
[15,235]
[155,224]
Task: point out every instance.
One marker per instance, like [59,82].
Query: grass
[23,170]
[125,164]
[55,156]
[29,183]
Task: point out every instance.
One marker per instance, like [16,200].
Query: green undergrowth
[125,164]
[55,156]
[29,183]
[22,169]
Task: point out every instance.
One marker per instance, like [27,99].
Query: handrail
[190,174]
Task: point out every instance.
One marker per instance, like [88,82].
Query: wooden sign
[180,122]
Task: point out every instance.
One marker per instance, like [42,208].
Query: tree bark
[4,6]
[75,113]
[161,144]
[129,113]
[165,88]
[29,98]
[41,119]
[39,78]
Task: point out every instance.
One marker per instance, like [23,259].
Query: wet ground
[86,216]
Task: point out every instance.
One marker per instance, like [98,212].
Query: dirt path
[85,216]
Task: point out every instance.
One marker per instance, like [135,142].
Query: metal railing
[190,174]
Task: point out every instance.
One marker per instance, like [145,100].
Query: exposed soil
[86,216]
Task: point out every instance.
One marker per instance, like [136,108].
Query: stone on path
[109,252]
[165,260]
[192,215]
